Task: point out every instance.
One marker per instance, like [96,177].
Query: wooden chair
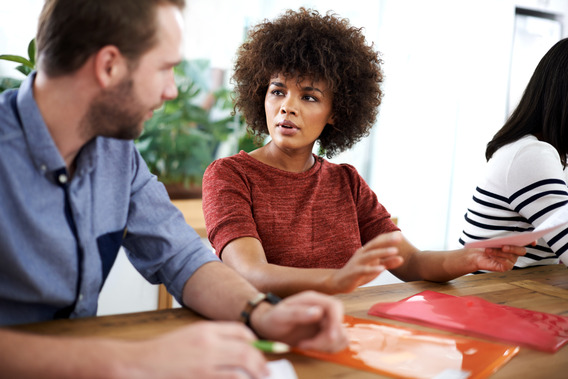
[193,213]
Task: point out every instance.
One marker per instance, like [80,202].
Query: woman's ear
[110,66]
[330,120]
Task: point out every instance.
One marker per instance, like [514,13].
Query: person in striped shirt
[525,180]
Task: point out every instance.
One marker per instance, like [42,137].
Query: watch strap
[254,302]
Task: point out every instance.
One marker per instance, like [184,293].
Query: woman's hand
[494,259]
[378,255]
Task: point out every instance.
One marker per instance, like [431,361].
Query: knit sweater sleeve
[227,204]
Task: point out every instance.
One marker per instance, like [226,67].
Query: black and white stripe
[492,214]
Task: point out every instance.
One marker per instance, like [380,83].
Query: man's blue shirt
[59,237]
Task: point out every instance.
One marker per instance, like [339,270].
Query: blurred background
[454,70]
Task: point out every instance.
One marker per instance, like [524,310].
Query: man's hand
[201,350]
[308,320]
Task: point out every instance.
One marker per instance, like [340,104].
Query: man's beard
[115,113]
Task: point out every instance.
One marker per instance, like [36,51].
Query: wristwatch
[253,303]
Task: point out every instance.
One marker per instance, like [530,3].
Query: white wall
[18,27]
[447,70]
[446,64]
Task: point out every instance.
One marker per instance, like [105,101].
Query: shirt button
[80,297]
[62,178]
[43,168]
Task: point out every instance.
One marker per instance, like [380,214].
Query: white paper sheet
[281,369]
[522,239]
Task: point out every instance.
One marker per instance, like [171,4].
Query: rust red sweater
[317,218]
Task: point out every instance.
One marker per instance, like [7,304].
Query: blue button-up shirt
[60,236]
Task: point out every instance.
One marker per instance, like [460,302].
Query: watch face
[272,298]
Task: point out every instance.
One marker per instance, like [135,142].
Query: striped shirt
[524,185]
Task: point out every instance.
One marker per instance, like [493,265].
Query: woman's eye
[277,92]
[310,98]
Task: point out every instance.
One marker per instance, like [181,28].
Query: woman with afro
[287,219]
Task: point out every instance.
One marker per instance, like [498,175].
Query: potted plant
[183,137]
[27,65]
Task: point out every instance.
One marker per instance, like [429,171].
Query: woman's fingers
[384,240]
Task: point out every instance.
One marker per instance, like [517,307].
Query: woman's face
[297,112]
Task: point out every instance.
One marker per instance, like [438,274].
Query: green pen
[271,346]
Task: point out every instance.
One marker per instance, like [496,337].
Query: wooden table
[541,289]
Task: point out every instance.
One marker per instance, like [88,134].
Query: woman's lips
[287,128]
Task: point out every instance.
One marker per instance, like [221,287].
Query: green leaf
[8,83]
[17,59]
[32,52]
[182,137]
[24,70]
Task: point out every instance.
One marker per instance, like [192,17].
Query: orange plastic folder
[402,352]
[472,315]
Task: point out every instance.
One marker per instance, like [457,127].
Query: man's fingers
[230,329]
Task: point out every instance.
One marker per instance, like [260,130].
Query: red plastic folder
[402,352]
[474,316]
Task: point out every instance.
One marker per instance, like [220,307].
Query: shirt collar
[42,148]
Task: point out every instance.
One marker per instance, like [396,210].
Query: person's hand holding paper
[559,220]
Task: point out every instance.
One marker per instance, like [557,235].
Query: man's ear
[110,66]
